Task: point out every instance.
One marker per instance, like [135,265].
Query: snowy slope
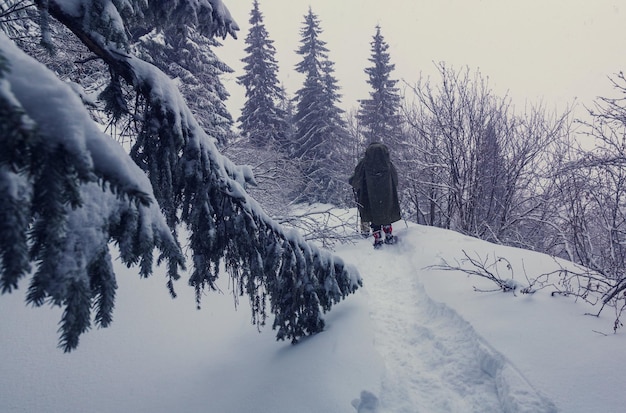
[436,361]
[419,339]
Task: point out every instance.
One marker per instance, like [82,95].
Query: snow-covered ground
[413,339]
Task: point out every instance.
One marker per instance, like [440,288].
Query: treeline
[469,160]
[309,132]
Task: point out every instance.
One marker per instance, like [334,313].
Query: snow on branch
[73,190]
[490,268]
[192,182]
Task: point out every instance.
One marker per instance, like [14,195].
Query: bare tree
[477,166]
[593,188]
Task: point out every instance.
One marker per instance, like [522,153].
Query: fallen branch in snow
[490,269]
[593,287]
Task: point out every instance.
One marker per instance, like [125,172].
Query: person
[375,182]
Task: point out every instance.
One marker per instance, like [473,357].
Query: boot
[389,238]
[378,238]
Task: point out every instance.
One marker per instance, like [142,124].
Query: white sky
[536,50]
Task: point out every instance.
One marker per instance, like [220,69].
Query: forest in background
[469,160]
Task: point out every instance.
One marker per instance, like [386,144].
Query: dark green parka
[375,182]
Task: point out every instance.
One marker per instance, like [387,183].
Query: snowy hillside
[415,339]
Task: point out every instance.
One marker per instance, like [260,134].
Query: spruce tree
[262,120]
[379,115]
[67,190]
[187,56]
[319,125]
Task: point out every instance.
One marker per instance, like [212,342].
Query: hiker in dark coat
[375,182]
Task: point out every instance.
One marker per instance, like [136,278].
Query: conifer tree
[379,115]
[67,190]
[186,55]
[262,120]
[319,125]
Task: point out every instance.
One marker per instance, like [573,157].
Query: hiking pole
[358,215]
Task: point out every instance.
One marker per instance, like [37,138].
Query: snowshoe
[392,239]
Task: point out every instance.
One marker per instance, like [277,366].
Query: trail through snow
[435,361]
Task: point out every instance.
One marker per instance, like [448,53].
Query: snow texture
[63,120]
[414,339]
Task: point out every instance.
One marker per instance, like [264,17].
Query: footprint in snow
[367,403]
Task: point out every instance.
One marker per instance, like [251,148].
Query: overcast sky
[549,50]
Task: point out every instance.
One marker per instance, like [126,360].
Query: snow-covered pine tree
[67,190]
[262,120]
[187,56]
[379,115]
[319,125]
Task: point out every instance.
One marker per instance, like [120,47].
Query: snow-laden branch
[191,181]
[74,189]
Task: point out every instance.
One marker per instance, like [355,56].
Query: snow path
[435,361]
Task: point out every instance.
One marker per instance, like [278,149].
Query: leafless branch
[489,268]
[575,281]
